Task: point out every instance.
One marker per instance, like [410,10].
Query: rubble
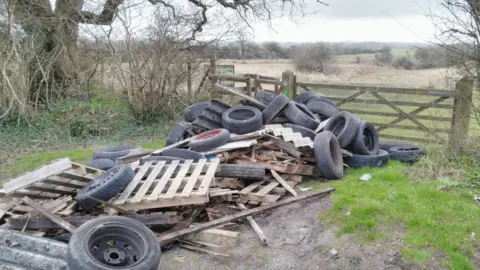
[225,164]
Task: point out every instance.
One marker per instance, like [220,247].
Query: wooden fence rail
[455,103]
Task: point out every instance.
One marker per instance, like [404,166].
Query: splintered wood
[164,185]
[57,179]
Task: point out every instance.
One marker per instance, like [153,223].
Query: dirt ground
[297,240]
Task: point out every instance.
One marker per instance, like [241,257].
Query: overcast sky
[357,20]
[341,20]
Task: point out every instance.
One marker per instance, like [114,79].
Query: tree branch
[106,17]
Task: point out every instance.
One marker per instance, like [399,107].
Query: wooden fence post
[288,83]
[461,114]
[189,78]
[249,86]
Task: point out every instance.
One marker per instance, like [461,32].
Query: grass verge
[433,219]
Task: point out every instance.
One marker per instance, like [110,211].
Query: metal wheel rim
[116,245]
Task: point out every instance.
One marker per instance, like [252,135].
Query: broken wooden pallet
[61,177]
[165,185]
[41,222]
[262,192]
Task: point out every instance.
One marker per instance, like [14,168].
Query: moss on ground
[445,221]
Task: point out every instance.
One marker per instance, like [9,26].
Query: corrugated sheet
[23,251]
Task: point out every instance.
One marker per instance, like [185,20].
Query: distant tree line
[312,57]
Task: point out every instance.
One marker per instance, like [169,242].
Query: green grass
[432,219]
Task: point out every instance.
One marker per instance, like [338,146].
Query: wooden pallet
[60,178]
[165,185]
[262,192]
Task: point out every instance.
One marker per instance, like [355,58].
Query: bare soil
[298,240]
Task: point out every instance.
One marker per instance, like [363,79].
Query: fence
[434,115]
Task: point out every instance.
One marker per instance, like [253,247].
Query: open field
[348,72]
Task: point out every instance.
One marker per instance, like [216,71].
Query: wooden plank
[160,202]
[253,197]
[283,183]
[415,112]
[37,175]
[251,187]
[423,117]
[205,185]
[163,181]
[396,102]
[51,190]
[404,138]
[342,101]
[367,88]
[62,223]
[172,191]
[266,189]
[131,187]
[76,177]
[63,183]
[234,92]
[51,205]
[146,185]
[77,221]
[255,227]
[193,178]
[217,222]
[386,125]
[406,115]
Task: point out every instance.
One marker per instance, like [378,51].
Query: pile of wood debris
[187,202]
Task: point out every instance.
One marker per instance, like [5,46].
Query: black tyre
[274,109]
[264,97]
[194,110]
[242,119]
[328,155]
[366,140]
[323,109]
[112,153]
[302,130]
[389,145]
[105,186]
[101,164]
[326,100]
[176,134]
[280,120]
[374,161]
[202,124]
[241,171]
[298,114]
[218,106]
[182,153]
[156,159]
[209,140]
[113,242]
[304,97]
[212,116]
[246,102]
[406,154]
[344,126]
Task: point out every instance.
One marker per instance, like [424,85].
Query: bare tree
[243,38]
[384,56]
[311,57]
[55,29]
[458,34]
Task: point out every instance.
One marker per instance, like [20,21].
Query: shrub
[403,62]
[311,57]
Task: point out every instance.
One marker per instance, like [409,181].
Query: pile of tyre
[308,114]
